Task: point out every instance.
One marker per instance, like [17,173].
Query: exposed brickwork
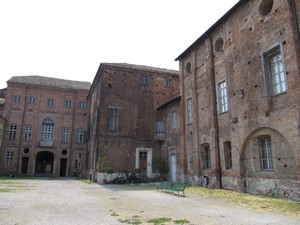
[253,112]
[125,86]
[24,114]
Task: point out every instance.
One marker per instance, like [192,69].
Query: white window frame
[275,73]
[47,133]
[9,158]
[66,135]
[32,100]
[222,97]
[79,136]
[27,133]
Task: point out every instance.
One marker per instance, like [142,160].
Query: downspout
[215,124]
[22,132]
[295,23]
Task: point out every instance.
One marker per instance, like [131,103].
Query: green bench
[171,187]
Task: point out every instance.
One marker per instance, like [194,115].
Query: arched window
[47,130]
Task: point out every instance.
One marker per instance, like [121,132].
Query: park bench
[171,187]
[178,188]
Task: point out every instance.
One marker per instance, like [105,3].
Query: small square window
[144,80]
[50,102]
[32,101]
[17,99]
[68,103]
[81,105]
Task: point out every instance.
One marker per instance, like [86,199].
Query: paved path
[72,202]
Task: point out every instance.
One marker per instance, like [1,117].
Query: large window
[77,161]
[114,118]
[79,136]
[173,119]
[275,72]
[206,156]
[65,135]
[27,133]
[227,155]
[9,158]
[47,130]
[189,110]
[12,132]
[160,130]
[266,153]
[222,97]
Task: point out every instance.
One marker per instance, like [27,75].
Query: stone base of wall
[271,187]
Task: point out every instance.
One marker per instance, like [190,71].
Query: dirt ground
[69,201]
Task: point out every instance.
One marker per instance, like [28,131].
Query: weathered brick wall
[24,114]
[247,35]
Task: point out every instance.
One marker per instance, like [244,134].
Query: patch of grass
[6,190]
[256,202]
[134,220]
[114,214]
[181,221]
[160,220]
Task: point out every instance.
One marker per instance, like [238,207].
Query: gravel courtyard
[70,201]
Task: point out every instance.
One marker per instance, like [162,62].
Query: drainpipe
[22,132]
[215,124]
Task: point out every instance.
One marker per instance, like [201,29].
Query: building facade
[240,88]
[123,116]
[46,125]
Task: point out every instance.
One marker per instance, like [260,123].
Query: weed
[161,220]
[181,221]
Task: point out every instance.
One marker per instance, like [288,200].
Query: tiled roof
[50,82]
[142,68]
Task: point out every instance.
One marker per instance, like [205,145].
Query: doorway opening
[44,163]
[24,166]
[63,167]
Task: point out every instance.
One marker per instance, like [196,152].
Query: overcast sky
[70,38]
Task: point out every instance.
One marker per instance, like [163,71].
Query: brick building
[46,123]
[123,116]
[240,90]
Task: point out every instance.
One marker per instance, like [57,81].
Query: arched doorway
[44,163]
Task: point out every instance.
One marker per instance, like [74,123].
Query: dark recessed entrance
[63,167]
[44,163]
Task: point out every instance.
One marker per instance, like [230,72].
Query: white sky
[70,38]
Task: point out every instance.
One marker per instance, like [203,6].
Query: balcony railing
[46,143]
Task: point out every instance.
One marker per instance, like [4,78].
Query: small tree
[161,165]
[102,161]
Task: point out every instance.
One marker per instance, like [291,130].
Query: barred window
[206,156]
[266,153]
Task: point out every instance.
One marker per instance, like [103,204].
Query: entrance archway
[44,163]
